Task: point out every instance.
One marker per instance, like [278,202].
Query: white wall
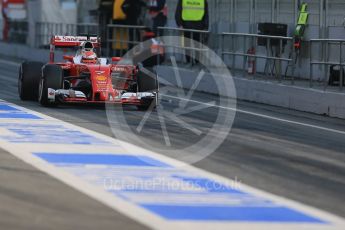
[48,11]
[53,11]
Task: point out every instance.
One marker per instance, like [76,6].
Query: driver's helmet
[88,55]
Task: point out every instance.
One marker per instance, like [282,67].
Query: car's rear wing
[71,41]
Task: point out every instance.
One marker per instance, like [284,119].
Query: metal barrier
[45,30]
[121,38]
[273,54]
[190,49]
[325,61]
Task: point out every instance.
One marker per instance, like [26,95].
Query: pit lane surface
[286,158]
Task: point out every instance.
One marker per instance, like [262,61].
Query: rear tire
[143,107]
[149,104]
[28,81]
[52,78]
[146,83]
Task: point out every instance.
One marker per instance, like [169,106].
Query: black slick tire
[52,77]
[28,80]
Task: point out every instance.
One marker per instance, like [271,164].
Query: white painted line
[24,151]
[261,115]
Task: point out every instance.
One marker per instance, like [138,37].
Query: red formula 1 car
[85,78]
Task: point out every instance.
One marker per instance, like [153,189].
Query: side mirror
[68,58]
[115,59]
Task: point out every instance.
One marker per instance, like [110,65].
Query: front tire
[52,78]
[29,79]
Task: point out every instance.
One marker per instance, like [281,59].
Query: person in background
[119,34]
[192,14]
[157,12]
[126,12]
[133,9]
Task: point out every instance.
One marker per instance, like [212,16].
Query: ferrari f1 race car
[85,78]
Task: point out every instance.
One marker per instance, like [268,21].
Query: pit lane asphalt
[290,160]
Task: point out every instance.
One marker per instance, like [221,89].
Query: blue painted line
[241,214]
[164,190]
[172,193]
[18,116]
[7,108]
[100,159]
[9,112]
[48,134]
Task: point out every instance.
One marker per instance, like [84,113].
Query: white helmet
[88,55]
